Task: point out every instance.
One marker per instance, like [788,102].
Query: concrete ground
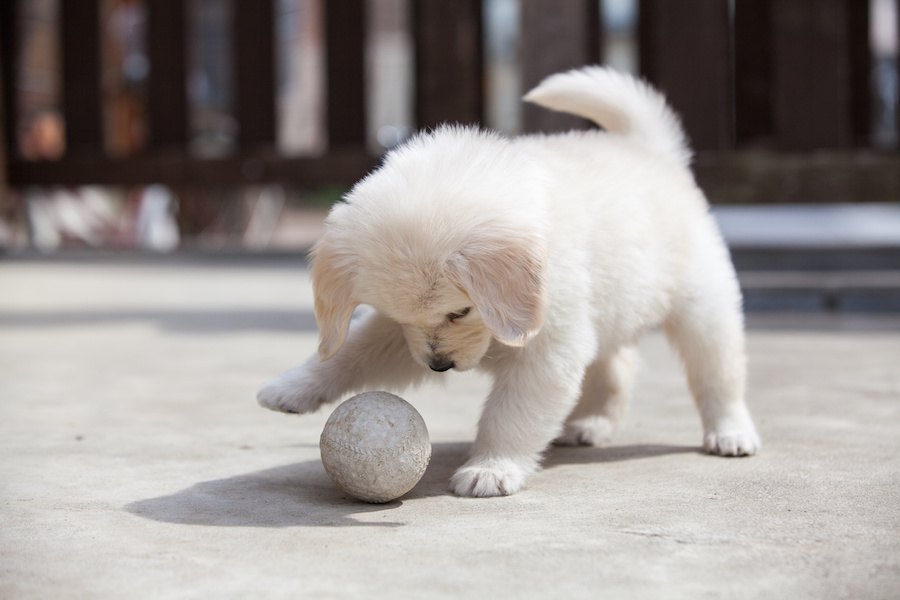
[134,462]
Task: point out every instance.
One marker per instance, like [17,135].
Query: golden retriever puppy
[540,260]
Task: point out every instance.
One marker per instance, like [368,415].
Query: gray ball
[375,446]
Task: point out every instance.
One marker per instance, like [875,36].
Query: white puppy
[540,260]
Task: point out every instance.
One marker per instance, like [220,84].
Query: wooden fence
[759,83]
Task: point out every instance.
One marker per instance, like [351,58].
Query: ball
[375,446]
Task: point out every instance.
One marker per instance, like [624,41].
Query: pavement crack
[662,536]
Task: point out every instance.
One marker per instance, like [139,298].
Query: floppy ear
[504,277]
[332,277]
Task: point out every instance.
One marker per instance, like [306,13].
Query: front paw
[732,441]
[492,477]
[292,392]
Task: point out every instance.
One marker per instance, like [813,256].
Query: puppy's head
[446,239]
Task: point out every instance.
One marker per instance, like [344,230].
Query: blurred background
[166,164]
[226,126]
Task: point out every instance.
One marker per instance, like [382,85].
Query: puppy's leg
[375,354]
[534,391]
[706,327]
[605,393]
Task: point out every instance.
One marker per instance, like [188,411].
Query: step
[855,291]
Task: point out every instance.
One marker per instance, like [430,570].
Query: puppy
[540,260]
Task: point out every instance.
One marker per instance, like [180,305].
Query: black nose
[441,364]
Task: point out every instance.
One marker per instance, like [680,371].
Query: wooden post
[345,42]
[448,42]
[254,72]
[167,105]
[685,49]
[754,119]
[812,74]
[9,75]
[82,106]
[556,36]
[860,72]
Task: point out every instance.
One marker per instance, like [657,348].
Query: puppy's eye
[452,317]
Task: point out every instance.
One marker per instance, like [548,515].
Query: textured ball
[375,446]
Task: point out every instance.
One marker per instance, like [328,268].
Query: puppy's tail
[621,104]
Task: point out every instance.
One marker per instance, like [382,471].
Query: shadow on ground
[301,494]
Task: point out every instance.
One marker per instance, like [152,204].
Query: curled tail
[621,104]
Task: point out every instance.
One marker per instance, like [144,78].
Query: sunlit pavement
[134,461]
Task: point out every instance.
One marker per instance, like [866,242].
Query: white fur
[566,248]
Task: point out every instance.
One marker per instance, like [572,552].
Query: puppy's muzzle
[441,363]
